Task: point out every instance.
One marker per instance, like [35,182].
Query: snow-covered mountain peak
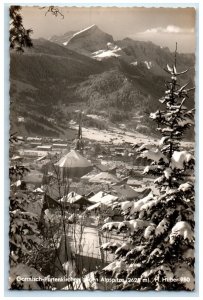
[111,50]
[85,30]
[93,29]
[89,40]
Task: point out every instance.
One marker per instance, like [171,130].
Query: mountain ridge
[131,51]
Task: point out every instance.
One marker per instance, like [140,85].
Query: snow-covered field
[117,136]
[113,136]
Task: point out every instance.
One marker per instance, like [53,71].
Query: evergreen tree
[159,250]
[19,37]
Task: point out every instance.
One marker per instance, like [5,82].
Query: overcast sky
[162,26]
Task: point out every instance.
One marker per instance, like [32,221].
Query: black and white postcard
[102,148]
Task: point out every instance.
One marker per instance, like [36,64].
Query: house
[35,144]
[44,148]
[91,174]
[104,177]
[49,202]
[56,140]
[102,201]
[30,138]
[134,182]
[31,153]
[89,195]
[95,206]
[102,168]
[62,195]
[103,197]
[75,200]
[73,164]
[59,146]
[128,193]
[125,192]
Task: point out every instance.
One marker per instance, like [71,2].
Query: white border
[199,113]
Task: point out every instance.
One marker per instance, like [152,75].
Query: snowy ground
[114,135]
[89,245]
[91,241]
[118,136]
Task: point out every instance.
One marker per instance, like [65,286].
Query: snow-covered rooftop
[71,197]
[103,197]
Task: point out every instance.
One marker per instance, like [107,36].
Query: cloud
[169,29]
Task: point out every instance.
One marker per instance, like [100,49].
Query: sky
[162,26]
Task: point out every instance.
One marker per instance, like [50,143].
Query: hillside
[44,78]
[154,57]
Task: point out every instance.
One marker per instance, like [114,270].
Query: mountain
[154,57]
[45,77]
[116,79]
[62,39]
[51,60]
[99,45]
[86,41]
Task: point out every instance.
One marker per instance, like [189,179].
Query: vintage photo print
[101,148]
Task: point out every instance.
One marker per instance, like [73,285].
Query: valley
[60,78]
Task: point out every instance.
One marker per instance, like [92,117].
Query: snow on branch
[115,267]
[162,227]
[155,155]
[180,159]
[173,71]
[112,246]
[123,249]
[137,205]
[182,229]
[186,187]
[132,225]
